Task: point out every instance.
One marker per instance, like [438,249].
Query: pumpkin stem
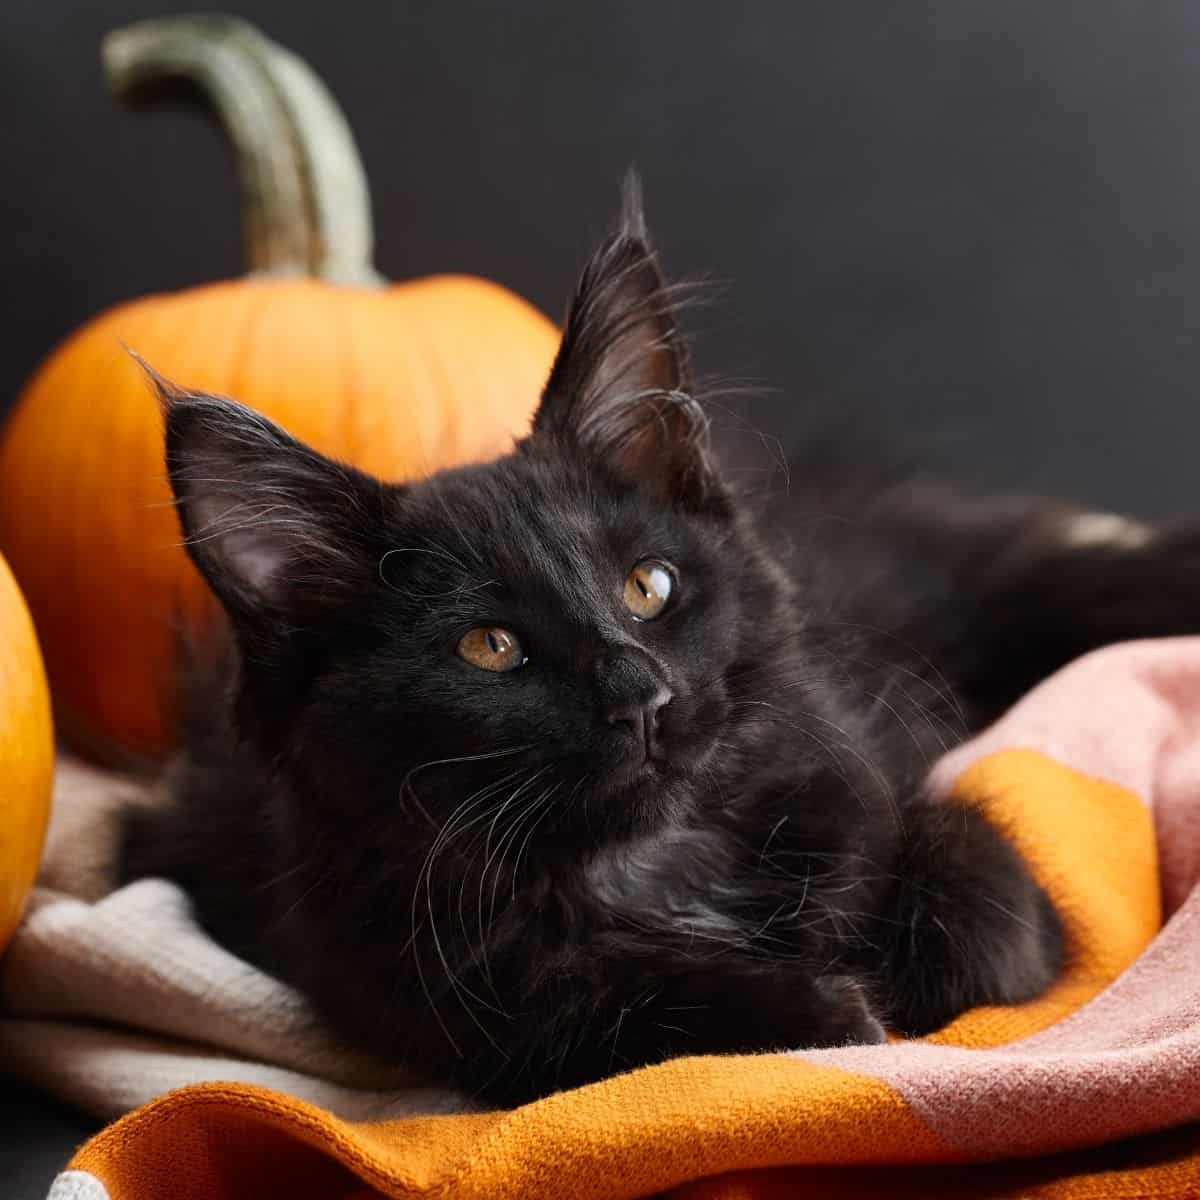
[305,205]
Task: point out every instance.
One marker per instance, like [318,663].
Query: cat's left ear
[620,390]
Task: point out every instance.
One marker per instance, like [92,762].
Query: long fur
[478,873]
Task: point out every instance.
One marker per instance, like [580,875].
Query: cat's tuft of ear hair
[633,214]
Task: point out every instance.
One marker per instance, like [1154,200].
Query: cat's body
[703,830]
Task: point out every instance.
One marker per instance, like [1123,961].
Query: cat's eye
[648,588]
[491,648]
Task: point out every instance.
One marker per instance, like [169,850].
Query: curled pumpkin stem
[306,208]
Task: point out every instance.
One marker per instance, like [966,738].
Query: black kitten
[570,762]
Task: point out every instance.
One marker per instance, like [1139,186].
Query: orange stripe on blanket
[630,1136]
[1091,845]
[1162,1166]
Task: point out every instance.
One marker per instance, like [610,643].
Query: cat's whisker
[520,785]
[542,801]
[931,720]
[322,878]
[461,827]
[424,877]
[770,837]
[828,749]
[958,726]
[434,550]
[497,856]
[489,855]
[1011,913]
[948,693]
[416,952]
[406,782]
[529,833]
[885,786]
[891,708]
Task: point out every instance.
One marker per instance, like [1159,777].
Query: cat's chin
[635,773]
[633,800]
[641,776]
[645,796]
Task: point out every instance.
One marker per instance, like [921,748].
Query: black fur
[477,872]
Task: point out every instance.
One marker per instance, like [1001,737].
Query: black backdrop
[980,222]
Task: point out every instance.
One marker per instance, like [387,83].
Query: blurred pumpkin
[26,754]
[399,380]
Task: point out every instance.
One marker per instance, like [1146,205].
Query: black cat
[574,761]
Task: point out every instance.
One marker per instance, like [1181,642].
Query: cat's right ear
[620,391]
[280,533]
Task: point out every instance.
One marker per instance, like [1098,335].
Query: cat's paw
[849,1018]
[810,1012]
[971,927]
[769,1006]
[1023,951]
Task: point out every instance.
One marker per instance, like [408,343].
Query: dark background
[977,222]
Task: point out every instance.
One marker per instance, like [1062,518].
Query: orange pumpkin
[399,380]
[26,754]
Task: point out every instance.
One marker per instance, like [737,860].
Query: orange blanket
[1087,1091]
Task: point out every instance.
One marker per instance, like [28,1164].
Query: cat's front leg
[966,923]
[745,1007]
[651,1012]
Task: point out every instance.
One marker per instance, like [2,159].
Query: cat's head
[557,634]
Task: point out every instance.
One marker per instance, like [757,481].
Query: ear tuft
[633,215]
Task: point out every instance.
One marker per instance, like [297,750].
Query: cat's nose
[631,692]
[641,715]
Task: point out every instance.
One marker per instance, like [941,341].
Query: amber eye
[491,648]
[647,589]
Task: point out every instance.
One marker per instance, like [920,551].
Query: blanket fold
[110,999]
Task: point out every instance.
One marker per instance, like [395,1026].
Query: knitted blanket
[110,1000]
